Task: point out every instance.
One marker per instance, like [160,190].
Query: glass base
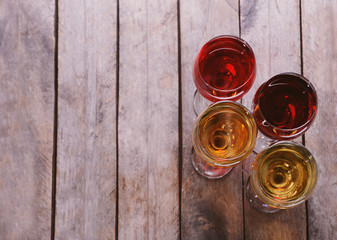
[200,103]
[207,170]
[262,142]
[248,163]
[255,201]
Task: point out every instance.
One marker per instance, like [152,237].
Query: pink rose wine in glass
[224,69]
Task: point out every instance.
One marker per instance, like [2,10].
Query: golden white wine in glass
[224,135]
[282,176]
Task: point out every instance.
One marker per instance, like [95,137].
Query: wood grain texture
[272,28]
[27,114]
[211,209]
[319,23]
[86,154]
[148,121]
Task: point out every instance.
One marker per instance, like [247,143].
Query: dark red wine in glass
[285,106]
[224,69]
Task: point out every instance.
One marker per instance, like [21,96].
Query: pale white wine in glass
[282,176]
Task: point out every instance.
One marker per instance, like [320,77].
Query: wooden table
[96,117]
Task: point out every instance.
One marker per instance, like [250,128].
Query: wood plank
[211,209]
[27,114]
[319,23]
[86,165]
[272,28]
[148,121]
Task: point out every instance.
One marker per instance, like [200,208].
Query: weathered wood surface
[148,147]
[272,28]
[211,209]
[86,137]
[319,21]
[27,116]
[144,53]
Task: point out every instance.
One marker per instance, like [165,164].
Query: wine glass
[223,136]
[284,108]
[282,176]
[224,69]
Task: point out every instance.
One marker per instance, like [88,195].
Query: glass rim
[238,39]
[279,203]
[224,162]
[299,76]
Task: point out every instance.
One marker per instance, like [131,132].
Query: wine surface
[285,106]
[287,102]
[226,134]
[224,69]
[285,174]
